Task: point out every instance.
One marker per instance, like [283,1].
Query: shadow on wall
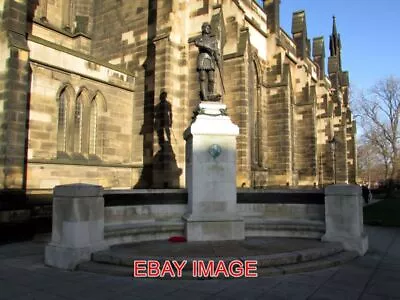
[164,166]
[147,130]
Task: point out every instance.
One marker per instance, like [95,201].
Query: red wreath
[177,239]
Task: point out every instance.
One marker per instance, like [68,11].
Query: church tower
[335,45]
[335,59]
[343,140]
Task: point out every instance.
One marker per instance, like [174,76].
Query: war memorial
[205,120]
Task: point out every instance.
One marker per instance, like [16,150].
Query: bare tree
[372,167]
[379,110]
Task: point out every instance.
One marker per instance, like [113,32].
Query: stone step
[285,228]
[142,228]
[102,268]
[312,265]
[290,258]
[155,229]
[142,231]
[264,261]
[294,225]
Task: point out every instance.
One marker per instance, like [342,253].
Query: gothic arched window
[97,107]
[65,101]
[255,129]
[78,120]
[93,128]
[62,118]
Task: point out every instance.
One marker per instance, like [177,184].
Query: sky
[369,32]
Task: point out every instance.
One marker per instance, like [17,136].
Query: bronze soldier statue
[208,60]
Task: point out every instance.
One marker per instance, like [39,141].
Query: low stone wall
[136,206]
[279,211]
[138,215]
[282,204]
[85,219]
[134,214]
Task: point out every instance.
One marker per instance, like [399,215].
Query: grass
[383,213]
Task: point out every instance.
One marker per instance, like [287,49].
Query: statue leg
[168,133]
[211,82]
[203,85]
[161,138]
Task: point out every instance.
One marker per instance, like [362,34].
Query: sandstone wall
[101,141]
[125,53]
[14,91]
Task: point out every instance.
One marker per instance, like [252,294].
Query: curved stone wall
[142,215]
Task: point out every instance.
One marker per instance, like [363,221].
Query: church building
[82,80]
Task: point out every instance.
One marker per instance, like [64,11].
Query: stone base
[344,217]
[68,258]
[213,98]
[350,243]
[211,176]
[213,228]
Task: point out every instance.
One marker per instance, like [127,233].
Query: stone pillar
[211,176]
[14,93]
[344,217]
[78,225]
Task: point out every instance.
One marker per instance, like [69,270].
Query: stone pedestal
[344,217]
[78,225]
[211,176]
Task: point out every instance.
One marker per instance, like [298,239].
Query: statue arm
[199,43]
[209,47]
[170,114]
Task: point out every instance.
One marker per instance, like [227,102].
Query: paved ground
[374,276]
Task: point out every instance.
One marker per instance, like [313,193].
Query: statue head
[163,95]
[206,28]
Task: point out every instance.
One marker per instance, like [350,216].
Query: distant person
[365,193]
[163,119]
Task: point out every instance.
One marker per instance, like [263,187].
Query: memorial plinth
[211,176]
